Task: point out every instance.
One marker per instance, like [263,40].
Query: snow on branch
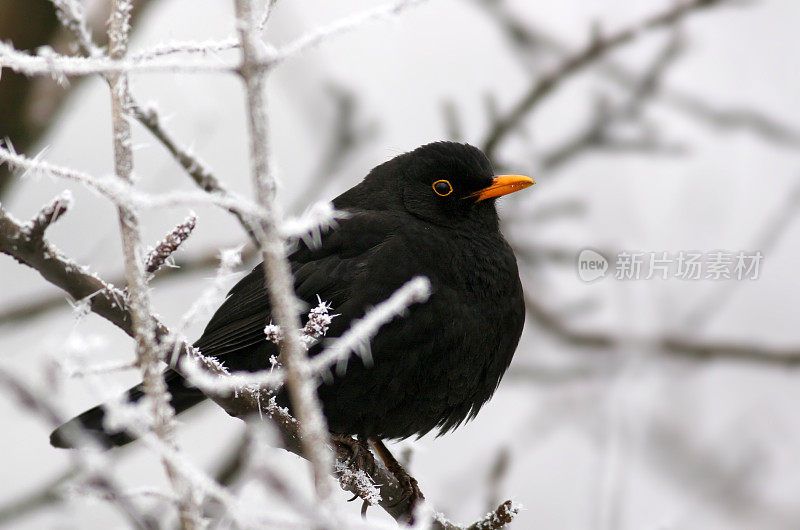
[209,47]
[277,271]
[70,14]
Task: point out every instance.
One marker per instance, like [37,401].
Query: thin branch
[49,214]
[344,25]
[167,246]
[147,355]
[685,347]
[597,133]
[531,40]
[191,163]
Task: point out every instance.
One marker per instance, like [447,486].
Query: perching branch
[110,303]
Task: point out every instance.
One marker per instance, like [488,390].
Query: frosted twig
[147,353]
[313,427]
[49,214]
[159,59]
[166,247]
[49,63]
[70,14]
[104,186]
[191,163]
[316,326]
[122,193]
[321,34]
[190,47]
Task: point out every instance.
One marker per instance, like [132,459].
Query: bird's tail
[89,425]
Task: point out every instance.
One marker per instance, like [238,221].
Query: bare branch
[597,47]
[531,40]
[598,134]
[686,347]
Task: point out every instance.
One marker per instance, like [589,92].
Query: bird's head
[446,183]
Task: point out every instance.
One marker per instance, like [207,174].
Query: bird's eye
[442,188]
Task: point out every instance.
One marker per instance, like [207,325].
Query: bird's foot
[411,491]
[360,456]
[408,484]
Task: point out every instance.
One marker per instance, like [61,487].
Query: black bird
[429,212]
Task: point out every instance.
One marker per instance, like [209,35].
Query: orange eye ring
[440,190]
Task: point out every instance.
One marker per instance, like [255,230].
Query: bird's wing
[327,271]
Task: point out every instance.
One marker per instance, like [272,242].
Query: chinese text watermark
[681,265]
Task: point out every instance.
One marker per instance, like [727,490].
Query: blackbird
[429,212]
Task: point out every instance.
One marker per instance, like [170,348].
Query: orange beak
[503,185]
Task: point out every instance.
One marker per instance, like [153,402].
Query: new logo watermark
[591,265]
[681,265]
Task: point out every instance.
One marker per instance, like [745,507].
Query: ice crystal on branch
[357,480]
[319,320]
[165,248]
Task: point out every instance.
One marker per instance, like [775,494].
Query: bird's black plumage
[432,368]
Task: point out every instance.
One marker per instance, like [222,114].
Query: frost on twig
[319,319]
[499,518]
[49,214]
[157,257]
